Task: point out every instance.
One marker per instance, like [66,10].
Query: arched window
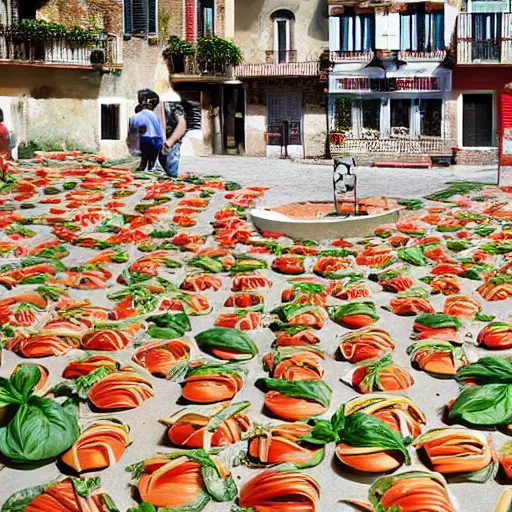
[283,36]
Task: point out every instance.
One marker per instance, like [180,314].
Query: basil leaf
[207,263]
[354,308]
[41,429]
[322,433]
[364,430]
[225,414]
[309,287]
[438,321]
[164,333]
[484,405]
[143,507]
[84,383]
[233,340]
[490,369]
[314,390]
[247,265]
[413,255]
[18,388]
[85,486]
[19,501]
[179,322]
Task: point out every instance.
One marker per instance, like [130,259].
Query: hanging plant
[343,115]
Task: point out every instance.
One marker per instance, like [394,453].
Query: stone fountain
[348,216]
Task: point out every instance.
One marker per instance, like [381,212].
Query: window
[486,36]
[421,30]
[205,18]
[431,114]
[477,120]
[110,121]
[400,113]
[140,16]
[356,31]
[371,114]
[282,35]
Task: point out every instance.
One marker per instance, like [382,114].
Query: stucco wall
[315,131]
[74,122]
[254,29]
[255,130]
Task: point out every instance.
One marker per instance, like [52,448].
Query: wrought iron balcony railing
[106,51]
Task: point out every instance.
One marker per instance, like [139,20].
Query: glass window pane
[431,116]
[400,113]
[371,114]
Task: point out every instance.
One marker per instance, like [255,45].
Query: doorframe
[460,119]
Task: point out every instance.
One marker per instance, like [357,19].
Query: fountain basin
[325,228]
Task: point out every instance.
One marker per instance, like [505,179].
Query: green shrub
[216,50]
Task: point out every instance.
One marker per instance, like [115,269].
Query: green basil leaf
[164,333]
[233,340]
[322,433]
[438,321]
[84,383]
[41,430]
[85,486]
[309,287]
[364,430]
[179,322]
[490,369]
[207,263]
[143,507]
[20,500]
[413,255]
[247,265]
[354,308]
[484,405]
[18,388]
[314,390]
[225,414]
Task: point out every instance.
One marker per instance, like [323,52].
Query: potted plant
[214,53]
[176,51]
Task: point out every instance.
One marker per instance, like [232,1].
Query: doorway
[477,120]
[234,120]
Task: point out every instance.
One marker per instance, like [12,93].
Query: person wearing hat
[150,131]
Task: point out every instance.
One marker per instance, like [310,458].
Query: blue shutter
[152,16]
[128,16]
[140,16]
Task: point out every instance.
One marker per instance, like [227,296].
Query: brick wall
[171,12]
[220,17]
[477,157]
[107,14]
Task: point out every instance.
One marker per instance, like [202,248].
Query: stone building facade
[282,42]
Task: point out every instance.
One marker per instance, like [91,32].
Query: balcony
[105,52]
[344,56]
[188,68]
[484,50]
[340,145]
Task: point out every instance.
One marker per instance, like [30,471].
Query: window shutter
[140,16]
[393,31]
[152,16]
[128,25]
[334,33]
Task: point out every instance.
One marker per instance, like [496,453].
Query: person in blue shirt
[148,126]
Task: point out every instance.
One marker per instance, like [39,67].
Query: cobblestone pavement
[297,181]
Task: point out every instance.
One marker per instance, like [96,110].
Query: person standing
[173,116]
[5,139]
[147,124]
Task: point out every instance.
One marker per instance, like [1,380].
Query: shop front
[387,108]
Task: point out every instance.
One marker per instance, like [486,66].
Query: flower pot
[178,63]
[97,56]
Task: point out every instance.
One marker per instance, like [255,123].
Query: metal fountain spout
[344,180]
